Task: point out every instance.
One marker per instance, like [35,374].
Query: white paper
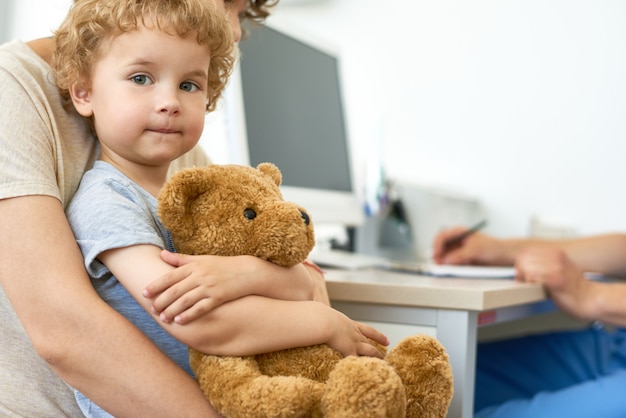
[470,271]
[444,270]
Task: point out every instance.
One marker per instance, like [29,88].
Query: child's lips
[164,130]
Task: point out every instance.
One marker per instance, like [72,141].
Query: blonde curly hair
[91,24]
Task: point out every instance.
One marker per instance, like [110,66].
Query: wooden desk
[450,309]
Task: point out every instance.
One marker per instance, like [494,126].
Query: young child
[145,73]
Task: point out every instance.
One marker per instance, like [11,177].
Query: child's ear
[81,98]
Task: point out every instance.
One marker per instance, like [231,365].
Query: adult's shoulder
[18,56]
[24,71]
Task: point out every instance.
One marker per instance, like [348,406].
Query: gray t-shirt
[110,211]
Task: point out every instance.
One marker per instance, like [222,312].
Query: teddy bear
[232,210]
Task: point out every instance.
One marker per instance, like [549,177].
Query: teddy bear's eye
[305,217]
[249,213]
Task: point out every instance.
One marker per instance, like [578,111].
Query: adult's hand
[565,283]
[478,248]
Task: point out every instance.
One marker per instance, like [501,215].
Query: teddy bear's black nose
[306,217]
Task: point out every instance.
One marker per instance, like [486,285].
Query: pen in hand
[456,241]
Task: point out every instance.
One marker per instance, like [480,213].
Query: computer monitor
[294,117]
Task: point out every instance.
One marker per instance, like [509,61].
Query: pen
[456,240]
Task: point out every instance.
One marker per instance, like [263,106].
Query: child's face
[147,96]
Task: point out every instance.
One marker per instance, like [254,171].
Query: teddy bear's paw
[363,387]
[313,362]
[237,389]
[279,397]
[424,367]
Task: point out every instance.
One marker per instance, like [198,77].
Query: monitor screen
[294,118]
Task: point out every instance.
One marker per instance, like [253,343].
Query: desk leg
[457,330]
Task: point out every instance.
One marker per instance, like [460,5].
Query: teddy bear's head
[235,210]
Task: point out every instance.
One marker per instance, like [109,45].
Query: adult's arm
[598,253]
[568,286]
[604,254]
[595,253]
[84,341]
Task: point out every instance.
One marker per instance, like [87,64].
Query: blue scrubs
[577,374]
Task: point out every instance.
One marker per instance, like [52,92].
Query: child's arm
[242,326]
[202,283]
[320,292]
[255,324]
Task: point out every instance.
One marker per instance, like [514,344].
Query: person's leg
[521,368]
[603,397]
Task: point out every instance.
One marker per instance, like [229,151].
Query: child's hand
[201,283]
[354,338]
[198,285]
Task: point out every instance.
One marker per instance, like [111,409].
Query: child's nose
[168,101]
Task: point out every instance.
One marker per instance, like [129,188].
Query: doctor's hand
[564,282]
[477,248]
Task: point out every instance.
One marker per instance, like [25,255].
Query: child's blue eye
[188,86]
[140,79]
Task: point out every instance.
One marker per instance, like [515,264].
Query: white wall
[30,19]
[519,102]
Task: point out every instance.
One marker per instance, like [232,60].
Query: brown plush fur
[239,210]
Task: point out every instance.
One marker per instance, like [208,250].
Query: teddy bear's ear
[177,196]
[271,170]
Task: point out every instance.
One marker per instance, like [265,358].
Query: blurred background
[519,103]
